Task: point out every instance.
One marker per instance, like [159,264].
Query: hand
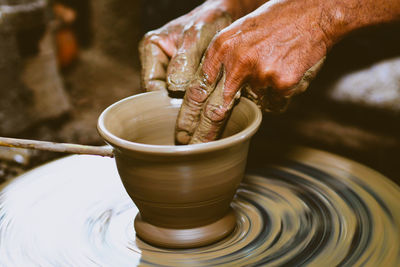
[171,55]
[272,54]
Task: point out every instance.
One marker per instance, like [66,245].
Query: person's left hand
[271,54]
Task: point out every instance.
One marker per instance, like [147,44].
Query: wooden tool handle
[104,151]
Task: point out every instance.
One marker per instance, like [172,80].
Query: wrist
[346,16]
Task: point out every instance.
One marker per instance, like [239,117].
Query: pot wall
[196,188]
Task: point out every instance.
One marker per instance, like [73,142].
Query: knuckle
[215,113]
[148,36]
[178,63]
[209,66]
[242,62]
[243,58]
[220,48]
[190,29]
[196,92]
[190,35]
[153,36]
[285,81]
[146,40]
[278,79]
[227,45]
[266,75]
[221,43]
[217,43]
[234,80]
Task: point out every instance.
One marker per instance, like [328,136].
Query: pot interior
[150,119]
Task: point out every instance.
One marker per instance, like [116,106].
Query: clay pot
[183,193]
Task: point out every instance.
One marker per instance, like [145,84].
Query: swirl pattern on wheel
[313,209]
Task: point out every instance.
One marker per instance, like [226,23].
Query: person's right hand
[171,55]
[269,55]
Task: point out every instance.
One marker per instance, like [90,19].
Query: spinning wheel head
[315,209]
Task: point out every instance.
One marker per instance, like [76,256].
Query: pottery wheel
[315,208]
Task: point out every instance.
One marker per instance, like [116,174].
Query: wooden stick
[105,151]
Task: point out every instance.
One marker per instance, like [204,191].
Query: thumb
[184,64]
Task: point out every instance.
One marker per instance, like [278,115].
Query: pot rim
[120,143]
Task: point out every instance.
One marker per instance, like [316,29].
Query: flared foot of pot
[185,238]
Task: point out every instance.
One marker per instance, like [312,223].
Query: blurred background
[63,61]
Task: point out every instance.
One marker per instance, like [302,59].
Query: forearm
[350,15]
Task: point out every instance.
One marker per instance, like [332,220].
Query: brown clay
[201,118]
[171,54]
[183,192]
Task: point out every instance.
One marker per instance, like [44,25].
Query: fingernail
[178,82]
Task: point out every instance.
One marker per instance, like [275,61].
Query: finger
[154,63]
[217,110]
[198,91]
[274,101]
[184,64]
[189,113]
[305,81]
[256,96]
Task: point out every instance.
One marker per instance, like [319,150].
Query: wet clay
[316,209]
[183,192]
[171,55]
[195,122]
[205,111]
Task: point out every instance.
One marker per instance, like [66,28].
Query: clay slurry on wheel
[316,208]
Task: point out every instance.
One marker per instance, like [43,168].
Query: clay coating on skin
[183,192]
[171,54]
[204,111]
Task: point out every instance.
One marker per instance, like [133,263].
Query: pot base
[185,238]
